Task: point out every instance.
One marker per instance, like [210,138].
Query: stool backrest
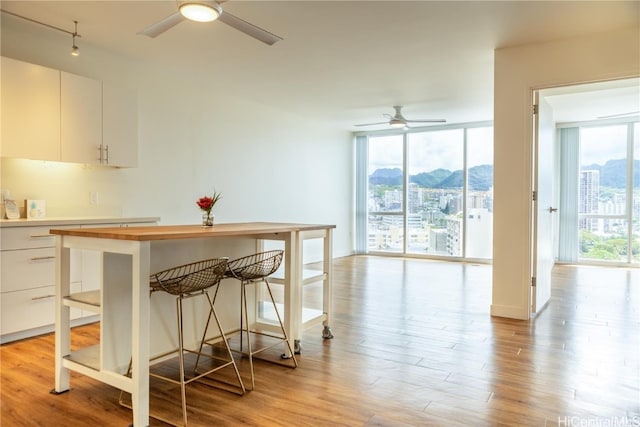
[255,266]
[189,278]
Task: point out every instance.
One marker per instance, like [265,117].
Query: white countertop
[53,221]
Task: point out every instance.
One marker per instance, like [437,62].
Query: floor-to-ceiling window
[429,191]
[385,198]
[479,218]
[608,200]
[436,180]
[635,243]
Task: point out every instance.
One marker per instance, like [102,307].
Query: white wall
[269,164]
[518,71]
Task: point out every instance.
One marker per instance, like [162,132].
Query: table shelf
[89,357]
[310,316]
[308,276]
[88,300]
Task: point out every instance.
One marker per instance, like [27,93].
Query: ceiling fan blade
[427,121]
[162,26]
[249,29]
[630,113]
[371,124]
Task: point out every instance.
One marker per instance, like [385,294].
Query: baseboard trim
[509,311]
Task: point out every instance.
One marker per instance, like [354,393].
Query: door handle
[552,209]
[41,258]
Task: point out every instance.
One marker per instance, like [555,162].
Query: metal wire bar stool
[187,281]
[254,269]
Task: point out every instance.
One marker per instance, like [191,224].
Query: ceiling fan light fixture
[200,11]
[397,123]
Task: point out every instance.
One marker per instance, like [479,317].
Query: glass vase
[207,219]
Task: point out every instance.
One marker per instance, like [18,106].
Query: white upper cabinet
[80,119]
[52,115]
[30,111]
[119,126]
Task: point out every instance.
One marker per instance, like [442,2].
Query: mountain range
[612,174]
[480,178]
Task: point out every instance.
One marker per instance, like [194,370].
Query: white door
[543,211]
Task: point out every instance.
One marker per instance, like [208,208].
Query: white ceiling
[346,62]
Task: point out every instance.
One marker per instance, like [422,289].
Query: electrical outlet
[94,197]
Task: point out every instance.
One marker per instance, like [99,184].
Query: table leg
[292,281]
[63,323]
[140,335]
[327,284]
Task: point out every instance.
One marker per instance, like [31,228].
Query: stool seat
[256,266]
[189,278]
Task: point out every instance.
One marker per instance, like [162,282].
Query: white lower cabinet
[27,279]
[28,268]
[31,309]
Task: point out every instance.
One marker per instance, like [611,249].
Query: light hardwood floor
[414,346]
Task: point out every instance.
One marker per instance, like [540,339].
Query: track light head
[75,50]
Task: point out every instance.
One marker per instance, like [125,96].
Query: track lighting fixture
[75,51]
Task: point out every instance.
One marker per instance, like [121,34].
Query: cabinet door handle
[42,297]
[106,154]
[42,258]
[40,236]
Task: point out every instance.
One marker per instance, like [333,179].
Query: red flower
[206,203]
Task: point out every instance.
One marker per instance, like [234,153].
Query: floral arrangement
[207,203]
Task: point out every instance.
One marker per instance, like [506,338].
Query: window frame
[362,189]
[630,123]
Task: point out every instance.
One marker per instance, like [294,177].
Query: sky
[599,144]
[443,149]
[432,150]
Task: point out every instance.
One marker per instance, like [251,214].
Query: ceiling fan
[207,11]
[611,116]
[399,121]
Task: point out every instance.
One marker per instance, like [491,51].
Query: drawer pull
[43,297]
[42,258]
[40,236]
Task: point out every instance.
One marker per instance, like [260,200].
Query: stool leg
[246,321]
[181,359]
[242,299]
[121,398]
[226,343]
[206,326]
[284,332]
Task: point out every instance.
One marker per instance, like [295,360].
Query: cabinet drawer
[27,269]
[30,309]
[26,237]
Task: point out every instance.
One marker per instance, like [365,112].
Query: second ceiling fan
[400,121]
[207,11]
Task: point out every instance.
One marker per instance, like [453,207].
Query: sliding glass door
[429,192]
